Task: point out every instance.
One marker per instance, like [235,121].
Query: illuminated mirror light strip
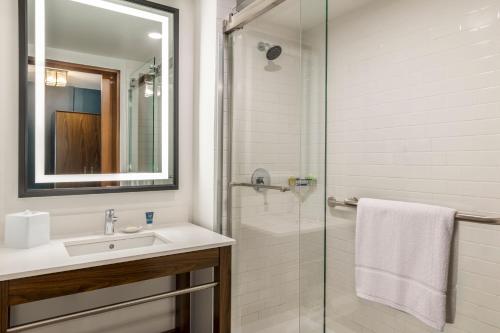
[39,89]
[101,177]
[165,98]
[123,10]
[40,176]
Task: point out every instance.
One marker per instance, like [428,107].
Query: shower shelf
[460,216]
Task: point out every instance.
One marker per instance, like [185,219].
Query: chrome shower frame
[249,13]
[219,130]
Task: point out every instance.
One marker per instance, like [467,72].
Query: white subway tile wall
[414,115]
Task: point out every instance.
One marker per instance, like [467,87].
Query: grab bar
[460,216]
[262,186]
[111,307]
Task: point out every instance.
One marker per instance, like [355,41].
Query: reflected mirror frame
[23,179]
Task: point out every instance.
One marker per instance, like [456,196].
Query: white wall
[205,66]
[208,31]
[84,214]
[414,115]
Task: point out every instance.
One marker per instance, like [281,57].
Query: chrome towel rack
[460,216]
[107,308]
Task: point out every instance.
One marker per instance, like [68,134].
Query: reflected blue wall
[56,99]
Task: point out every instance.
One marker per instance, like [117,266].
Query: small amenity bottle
[149,220]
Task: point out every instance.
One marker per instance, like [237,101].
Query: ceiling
[87,29]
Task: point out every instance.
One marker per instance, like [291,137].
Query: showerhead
[272,52]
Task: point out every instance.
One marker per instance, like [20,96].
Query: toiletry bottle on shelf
[149,220]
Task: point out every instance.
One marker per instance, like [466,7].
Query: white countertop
[53,257]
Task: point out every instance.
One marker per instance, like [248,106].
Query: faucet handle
[260,181]
[110,214]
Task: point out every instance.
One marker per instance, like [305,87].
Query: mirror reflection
[100,94]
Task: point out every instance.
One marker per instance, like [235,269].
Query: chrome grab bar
[351,202]
[262,186]
[460,216]
[111,307]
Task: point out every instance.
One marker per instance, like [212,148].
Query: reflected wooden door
[77,144]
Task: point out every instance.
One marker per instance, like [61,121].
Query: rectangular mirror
[98,96]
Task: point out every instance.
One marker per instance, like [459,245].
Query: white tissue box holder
[27,229]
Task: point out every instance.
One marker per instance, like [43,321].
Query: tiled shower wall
[414,115]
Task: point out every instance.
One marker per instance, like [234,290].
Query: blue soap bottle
[149,220]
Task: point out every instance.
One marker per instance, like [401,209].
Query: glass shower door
[277,139]
[144,123]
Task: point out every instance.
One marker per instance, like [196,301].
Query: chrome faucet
[109,221]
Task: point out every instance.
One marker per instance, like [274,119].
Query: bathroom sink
[113,243]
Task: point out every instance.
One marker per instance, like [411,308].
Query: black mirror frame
[23,183]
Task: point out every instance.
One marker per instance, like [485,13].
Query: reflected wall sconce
[56,77]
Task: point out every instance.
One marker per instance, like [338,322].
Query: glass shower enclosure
[275,166]
[144,123]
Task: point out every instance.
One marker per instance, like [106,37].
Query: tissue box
[27,229]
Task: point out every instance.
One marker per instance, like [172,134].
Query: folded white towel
[403,256]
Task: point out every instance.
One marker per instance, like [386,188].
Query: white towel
[403,256]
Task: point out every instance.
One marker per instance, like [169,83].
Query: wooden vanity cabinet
[40,287]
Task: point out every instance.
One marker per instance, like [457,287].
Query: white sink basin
[113,243]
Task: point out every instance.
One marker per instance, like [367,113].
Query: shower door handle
[262,186]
